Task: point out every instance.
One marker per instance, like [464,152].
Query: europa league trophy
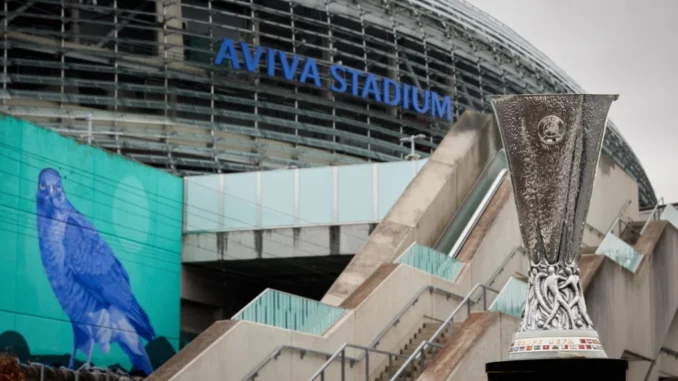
[552,143]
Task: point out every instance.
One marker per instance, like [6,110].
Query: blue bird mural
[89,282]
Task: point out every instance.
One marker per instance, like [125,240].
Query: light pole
[412,155]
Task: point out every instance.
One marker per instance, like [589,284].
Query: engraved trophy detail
[553,143]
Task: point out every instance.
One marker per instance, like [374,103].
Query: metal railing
[467,216]
[393,323]
[276,353]
[341,355]
[396,319]
[500,269]
[595,231]
[618,220]
[420,353]
[654,215]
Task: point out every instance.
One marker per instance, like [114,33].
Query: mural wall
[91,253]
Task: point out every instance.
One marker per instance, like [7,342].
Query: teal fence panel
[619,251]
[511,298]
[277,199]
[355,201]
[291,312]
[473,201]
[118,223]
[431,261]
[315,196]
[392,180]
[350,194]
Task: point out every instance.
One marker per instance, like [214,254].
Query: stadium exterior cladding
[138,77]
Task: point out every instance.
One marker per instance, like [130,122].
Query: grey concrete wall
[426,206]
[279,243]
[633,312]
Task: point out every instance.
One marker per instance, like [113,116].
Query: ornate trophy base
[555,343]
[558,369]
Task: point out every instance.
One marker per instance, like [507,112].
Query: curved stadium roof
[149,89]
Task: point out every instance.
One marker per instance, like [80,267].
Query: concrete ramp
[482,338]
[423,211]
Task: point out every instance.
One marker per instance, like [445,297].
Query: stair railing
[654,215]
[618,221]
[394,322]
[340,354]
[420,353]
[500,269]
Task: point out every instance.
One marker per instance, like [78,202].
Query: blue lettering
[371,86]
[270,59]
[311,66]
[387,92]
[415,95]
[380,89]
[227,51]
[406,96]
[354,80]
[338,72]
[438,108]
[251,64]
[288,72]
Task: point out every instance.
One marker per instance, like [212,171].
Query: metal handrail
[598,232]
[407,307]
[421,349]
[476,215]
[619,216]
[419,353]
[503,264]
[394,322]
[654,210]
[273,355]
[341,353]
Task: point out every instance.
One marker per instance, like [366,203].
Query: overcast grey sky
[614,46]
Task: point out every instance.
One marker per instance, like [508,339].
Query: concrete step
[424,333]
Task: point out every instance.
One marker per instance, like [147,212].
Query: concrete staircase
[422,334]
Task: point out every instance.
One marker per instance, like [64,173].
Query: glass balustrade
[619,251]
[511,298]
[431,261]
[473,206]
[347,194]
[291,312]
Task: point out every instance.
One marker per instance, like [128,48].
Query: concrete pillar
[169,15]
[393,74]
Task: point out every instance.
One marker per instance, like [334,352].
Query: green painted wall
[136,209]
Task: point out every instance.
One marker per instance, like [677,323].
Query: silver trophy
[553,144]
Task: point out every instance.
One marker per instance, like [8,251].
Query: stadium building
[145,78]
[248,163]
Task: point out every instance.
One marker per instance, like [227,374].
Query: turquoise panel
[315,196]
[277,200]
[431,261]
[355,194]
[240,201]
[393,179]
[203,198]
[619,251]
[511,298]
[114,224]
[420,164]
[291,312]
